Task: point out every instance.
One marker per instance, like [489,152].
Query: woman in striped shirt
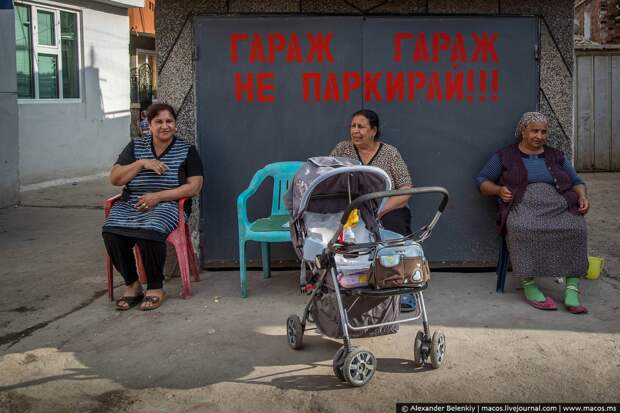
[156,170]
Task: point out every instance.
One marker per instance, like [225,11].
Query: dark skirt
[398,220]
[544,239]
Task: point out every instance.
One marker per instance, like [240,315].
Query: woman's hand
[154,165]
[147,202]
[584,205]
[490,188]
[505,194]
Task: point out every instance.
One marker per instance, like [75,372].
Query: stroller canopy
[328,184]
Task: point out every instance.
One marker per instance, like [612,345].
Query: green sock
[571,293]
[531,290]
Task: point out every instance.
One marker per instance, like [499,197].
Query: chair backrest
[282,174]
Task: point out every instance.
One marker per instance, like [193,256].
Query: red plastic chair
[180,240]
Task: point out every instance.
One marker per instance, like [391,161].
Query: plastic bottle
[347,229]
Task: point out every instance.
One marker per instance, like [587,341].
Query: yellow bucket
[595,267]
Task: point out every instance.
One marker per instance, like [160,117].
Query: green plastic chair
[265,230]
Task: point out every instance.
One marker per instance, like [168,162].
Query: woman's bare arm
[490,188]
[120,175]
[395,202]
[191,188]
[584,203]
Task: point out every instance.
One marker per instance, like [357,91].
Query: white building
[69,82]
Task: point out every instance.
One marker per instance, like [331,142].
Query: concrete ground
[64,348]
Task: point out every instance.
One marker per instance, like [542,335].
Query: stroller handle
[388,194]
[398,192]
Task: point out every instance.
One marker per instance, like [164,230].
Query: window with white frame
[47,51]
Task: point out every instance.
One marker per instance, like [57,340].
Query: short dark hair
[373,119]
[154,109]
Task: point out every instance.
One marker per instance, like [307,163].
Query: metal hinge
[536,52]
[195,53]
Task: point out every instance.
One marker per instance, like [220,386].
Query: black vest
[514,176]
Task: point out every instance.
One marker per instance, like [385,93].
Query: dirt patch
[29,358]
[12,402]
[113,401]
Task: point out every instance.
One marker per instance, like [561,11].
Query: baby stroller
[324,193]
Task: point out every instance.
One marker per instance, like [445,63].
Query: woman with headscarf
[541,208]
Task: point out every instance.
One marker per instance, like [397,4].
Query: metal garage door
[449,91]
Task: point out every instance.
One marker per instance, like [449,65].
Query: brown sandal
[154,301]
[130,301]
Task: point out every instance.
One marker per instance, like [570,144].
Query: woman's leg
[571,296]
[535,297]
[531,291]
[120,249]
[399,221]
[153,255]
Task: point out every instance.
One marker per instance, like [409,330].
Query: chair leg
[502,267]
[243,275]
[178,240]
[266,258]
[193,261]
[108,265]
[139,264]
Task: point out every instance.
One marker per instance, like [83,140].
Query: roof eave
[123,3]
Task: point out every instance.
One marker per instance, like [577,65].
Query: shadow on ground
[218,337]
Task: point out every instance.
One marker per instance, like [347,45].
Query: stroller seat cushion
[322,227]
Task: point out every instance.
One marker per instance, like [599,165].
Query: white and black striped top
[182,160]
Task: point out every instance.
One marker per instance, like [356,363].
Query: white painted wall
[65,140]
[9,154]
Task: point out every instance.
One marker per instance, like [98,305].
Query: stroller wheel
[418,351]
[294,332]
[438,349]
[359,367]
[338,362]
